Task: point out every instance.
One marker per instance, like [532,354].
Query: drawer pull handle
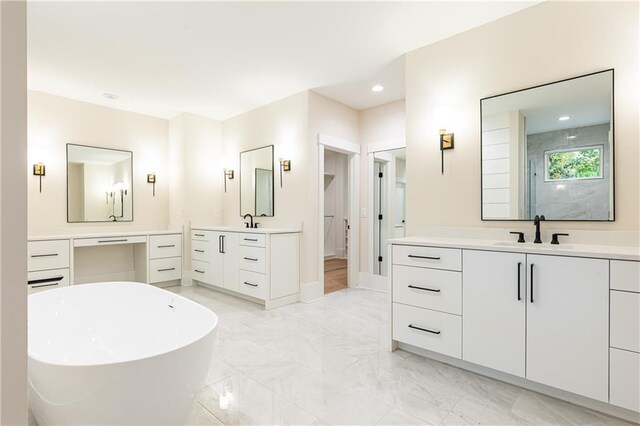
[252,285]
[425,257]
[199,251]
[45,280]
[251,259]
[167,246]
[435,290]
[44,255]
[251,239]
[166,269]
[198,271]
[124,240]
[423,329]
[198,235]
[45,285]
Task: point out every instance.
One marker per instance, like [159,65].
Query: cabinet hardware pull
[198,250]
[44,255]
[251,259]
[519,266]
[198,271]
[424,257]
[45,285]
[45,280]
[124,240]
[251,239]
[167,246]
[531,283]
[223,248]
[219,243]
[252,285]
[435,290]
[166,269]
[423,329]
[198,235]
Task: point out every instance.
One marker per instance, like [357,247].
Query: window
[573,163]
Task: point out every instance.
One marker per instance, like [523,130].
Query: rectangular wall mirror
[548,150]
[256,182]
[99,185]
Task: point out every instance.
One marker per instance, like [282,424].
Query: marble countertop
[99,235]
[247,230]
[569,249]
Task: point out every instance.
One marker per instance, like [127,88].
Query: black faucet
[536,223]
[113,216]
[247,223]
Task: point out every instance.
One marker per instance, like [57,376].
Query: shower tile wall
[578,199]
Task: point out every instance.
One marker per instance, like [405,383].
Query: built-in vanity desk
[147,257]
[564,320]
[261,265]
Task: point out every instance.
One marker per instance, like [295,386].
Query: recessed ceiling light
[377,88]
[571,137]
[110,96]
[563,118]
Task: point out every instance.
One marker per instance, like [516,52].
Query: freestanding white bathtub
[116,353]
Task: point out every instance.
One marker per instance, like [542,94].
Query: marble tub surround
[327,363]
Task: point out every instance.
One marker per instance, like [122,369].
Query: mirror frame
[67,184]
[273,200]
[613,150]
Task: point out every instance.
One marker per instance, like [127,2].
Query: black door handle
[198,250]
[424,257]
[531,284]
[435,290]
[44,255]
[519,266]
[166,269]
[167,246]
[220,244]
[252,285]
[251,259]
[223,250]
[423,329]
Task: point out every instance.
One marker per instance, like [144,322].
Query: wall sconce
[446,142]
[285,165]
[39,170]
[151,178]
[228,174]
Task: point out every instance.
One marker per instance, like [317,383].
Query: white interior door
[568,324]
[494,313]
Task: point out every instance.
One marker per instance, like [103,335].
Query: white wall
[505,55]
[13,213]
[380,124]
[55,121]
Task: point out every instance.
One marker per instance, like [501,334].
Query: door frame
[352,150]
[381,284]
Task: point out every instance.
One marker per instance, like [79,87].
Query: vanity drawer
[428,288]
[252,259]
[197,234]
[202,271]
[625,320]
[203,250]
[255,240]
[252,284]
[625,275]
[44,255]
[161,246]
[47,280]
[624,379]
[107,241]
[165,269]
[428,257]
[427,329]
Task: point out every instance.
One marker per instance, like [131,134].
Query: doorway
[336,221]
[387,205]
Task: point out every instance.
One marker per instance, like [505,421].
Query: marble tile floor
[327,363]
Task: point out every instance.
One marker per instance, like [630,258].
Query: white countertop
[247,230]
[568,249]
[98,235]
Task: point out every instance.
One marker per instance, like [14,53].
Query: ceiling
[220,59]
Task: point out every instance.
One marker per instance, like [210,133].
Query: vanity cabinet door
[493,300]
[568,324]
[230,248]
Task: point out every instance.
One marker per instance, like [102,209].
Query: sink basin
[532,245]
